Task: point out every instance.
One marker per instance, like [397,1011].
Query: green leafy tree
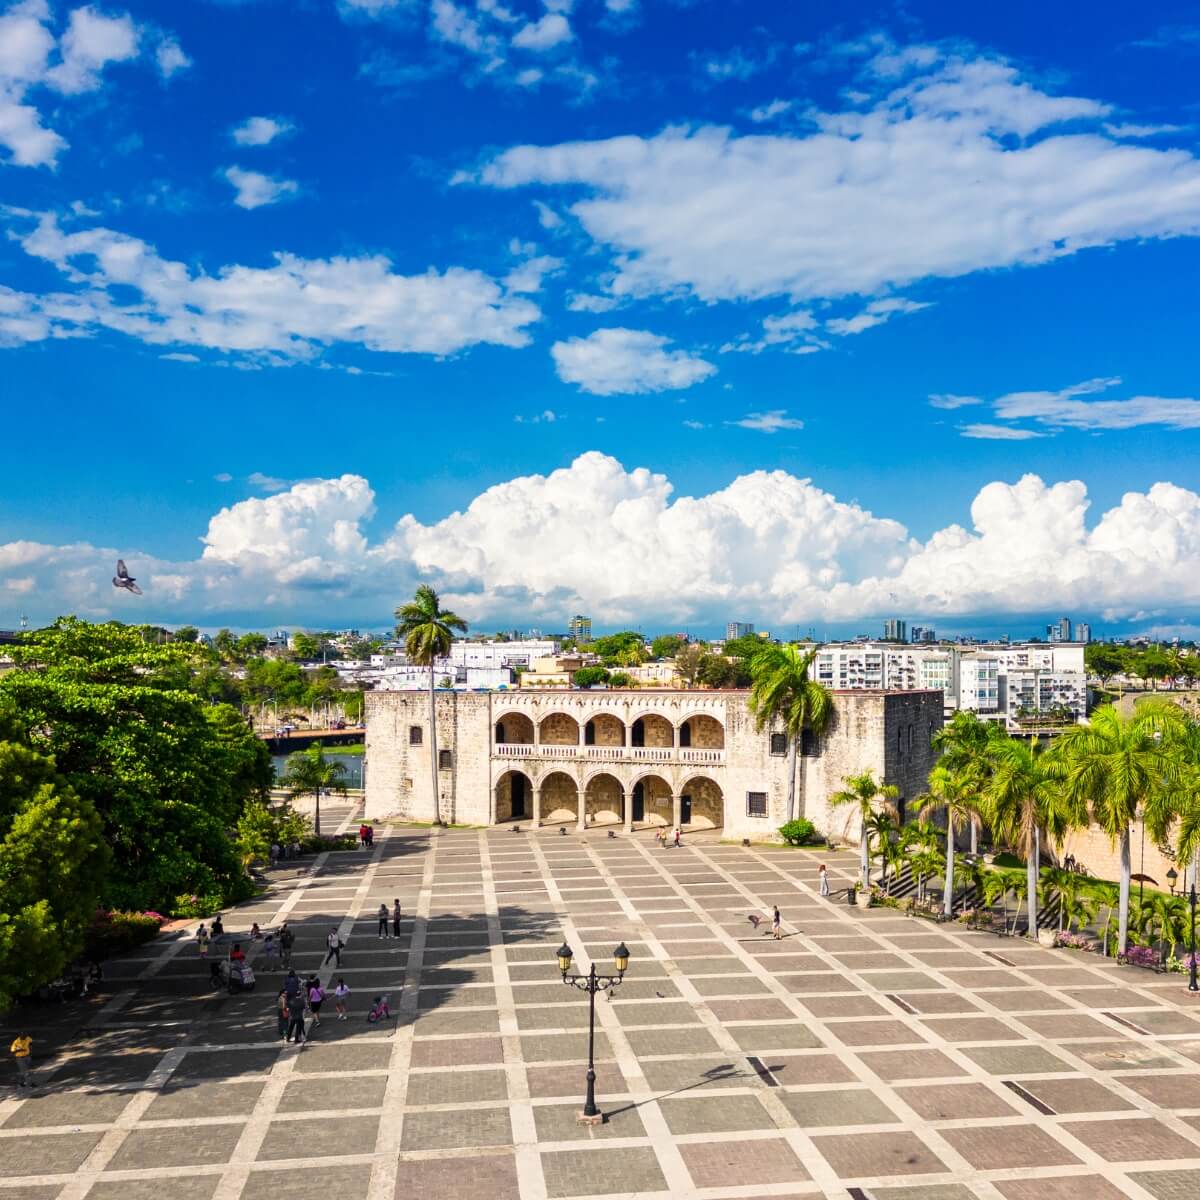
[249,645]
[1070,892]
[225,644]
[966,745]
[611,647]
[955,795]
[1103,660]
[1118,767]
[309,772]
[744,647]
[866,795]
[782,690]
[667,645]
[687,664]
[621,679]
[587,677]
[53,862]
[187,633]
[428,631]
[306,647]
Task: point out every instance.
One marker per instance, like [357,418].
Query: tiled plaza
[866,1055]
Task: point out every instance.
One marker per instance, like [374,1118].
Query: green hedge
[798,832]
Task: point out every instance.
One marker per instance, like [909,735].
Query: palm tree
[1071,892]
[880,828]
[1119,767]
[310,771]
[867,795]
[1025,803]
[428,632]
[954,793]
[894,859]
[966,744]
[781,690]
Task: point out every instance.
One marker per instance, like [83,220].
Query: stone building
[634,759]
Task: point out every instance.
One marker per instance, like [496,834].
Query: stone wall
[558,729]
[1097,856]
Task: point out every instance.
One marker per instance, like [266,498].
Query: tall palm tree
[966,744]
[310,771]
[782,690]
[868,796]
[880,828]
[1025,803]
[1121,767]
[954,793]
[428,631]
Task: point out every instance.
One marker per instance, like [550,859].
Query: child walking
[341,998]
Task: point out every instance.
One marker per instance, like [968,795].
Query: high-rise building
[738,629]
[922,635]
[580,628]
[1083,632]
[895,630]
[1059,631]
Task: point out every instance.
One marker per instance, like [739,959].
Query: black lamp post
[1172,876]
[592,983]
[1193,986]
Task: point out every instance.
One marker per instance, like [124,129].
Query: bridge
[301,739]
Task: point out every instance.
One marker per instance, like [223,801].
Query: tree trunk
[974,838]
[1123,911]
[865,851]
[793,759]
[949,898]
[317,815]
[433,750]
[1031,881]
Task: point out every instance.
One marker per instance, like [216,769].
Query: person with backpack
[281,1013]
[291,984]
[383,920]
[396,917]
[341,998]
[334,942]
[295,1026]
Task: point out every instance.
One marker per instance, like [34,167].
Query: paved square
[866,1050]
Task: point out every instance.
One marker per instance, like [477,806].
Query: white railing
[515,749]
[559,751]
[651,753]
[609,752]
[702,756]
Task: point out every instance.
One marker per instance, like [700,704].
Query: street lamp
[593,983]
[1172,876]
[1193,986]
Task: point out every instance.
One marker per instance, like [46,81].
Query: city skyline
[664,312]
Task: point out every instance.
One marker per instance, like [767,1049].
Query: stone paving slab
[864,1050]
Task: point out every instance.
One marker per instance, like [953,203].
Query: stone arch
[558,729]
[604,729]
[513,728]
[708,802]
[560,797]
[651,800]
[514,796]
[652,729]
[702,731]
[604,798]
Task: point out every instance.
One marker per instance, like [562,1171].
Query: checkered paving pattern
[864,1056]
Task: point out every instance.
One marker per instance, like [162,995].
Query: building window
[445,760]
[756,804]
[810,744]
[415,735]
[779,743]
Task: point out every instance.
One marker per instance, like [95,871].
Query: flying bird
[123,579]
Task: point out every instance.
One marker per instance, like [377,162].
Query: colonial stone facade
[634,759]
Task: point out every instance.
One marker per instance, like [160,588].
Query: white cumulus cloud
[622,361]
[255,190]
[950,164]
[260,131]
[768,422]
[289,310]
[548,31]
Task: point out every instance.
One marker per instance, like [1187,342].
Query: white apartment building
[1013,683]
[498,654]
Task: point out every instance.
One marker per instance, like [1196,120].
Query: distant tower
[895,629]
[580,628]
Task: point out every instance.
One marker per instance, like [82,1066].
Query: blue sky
[667,312]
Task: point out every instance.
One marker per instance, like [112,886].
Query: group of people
[277,945]
[299,998]
[366,835]
[663,838]
[383,919]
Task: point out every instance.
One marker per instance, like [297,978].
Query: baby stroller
[236,977]
[379,1010]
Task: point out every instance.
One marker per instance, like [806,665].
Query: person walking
[291,984]
[396,917]
[341,998]
[678,833]
[281,1013]
[823,876]
[271,950]
[383,920]
[287,939]
[362,837]
[22,1051]
[203,938]
[316,997]
[776,923]
[295,1026]
[218,928]
[334,944]
[370,835]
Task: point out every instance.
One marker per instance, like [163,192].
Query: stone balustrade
[657,754]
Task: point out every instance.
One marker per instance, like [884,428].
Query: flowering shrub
[1074,941]
[114,932]
[1181,966]
[193,905]
[1140,956]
